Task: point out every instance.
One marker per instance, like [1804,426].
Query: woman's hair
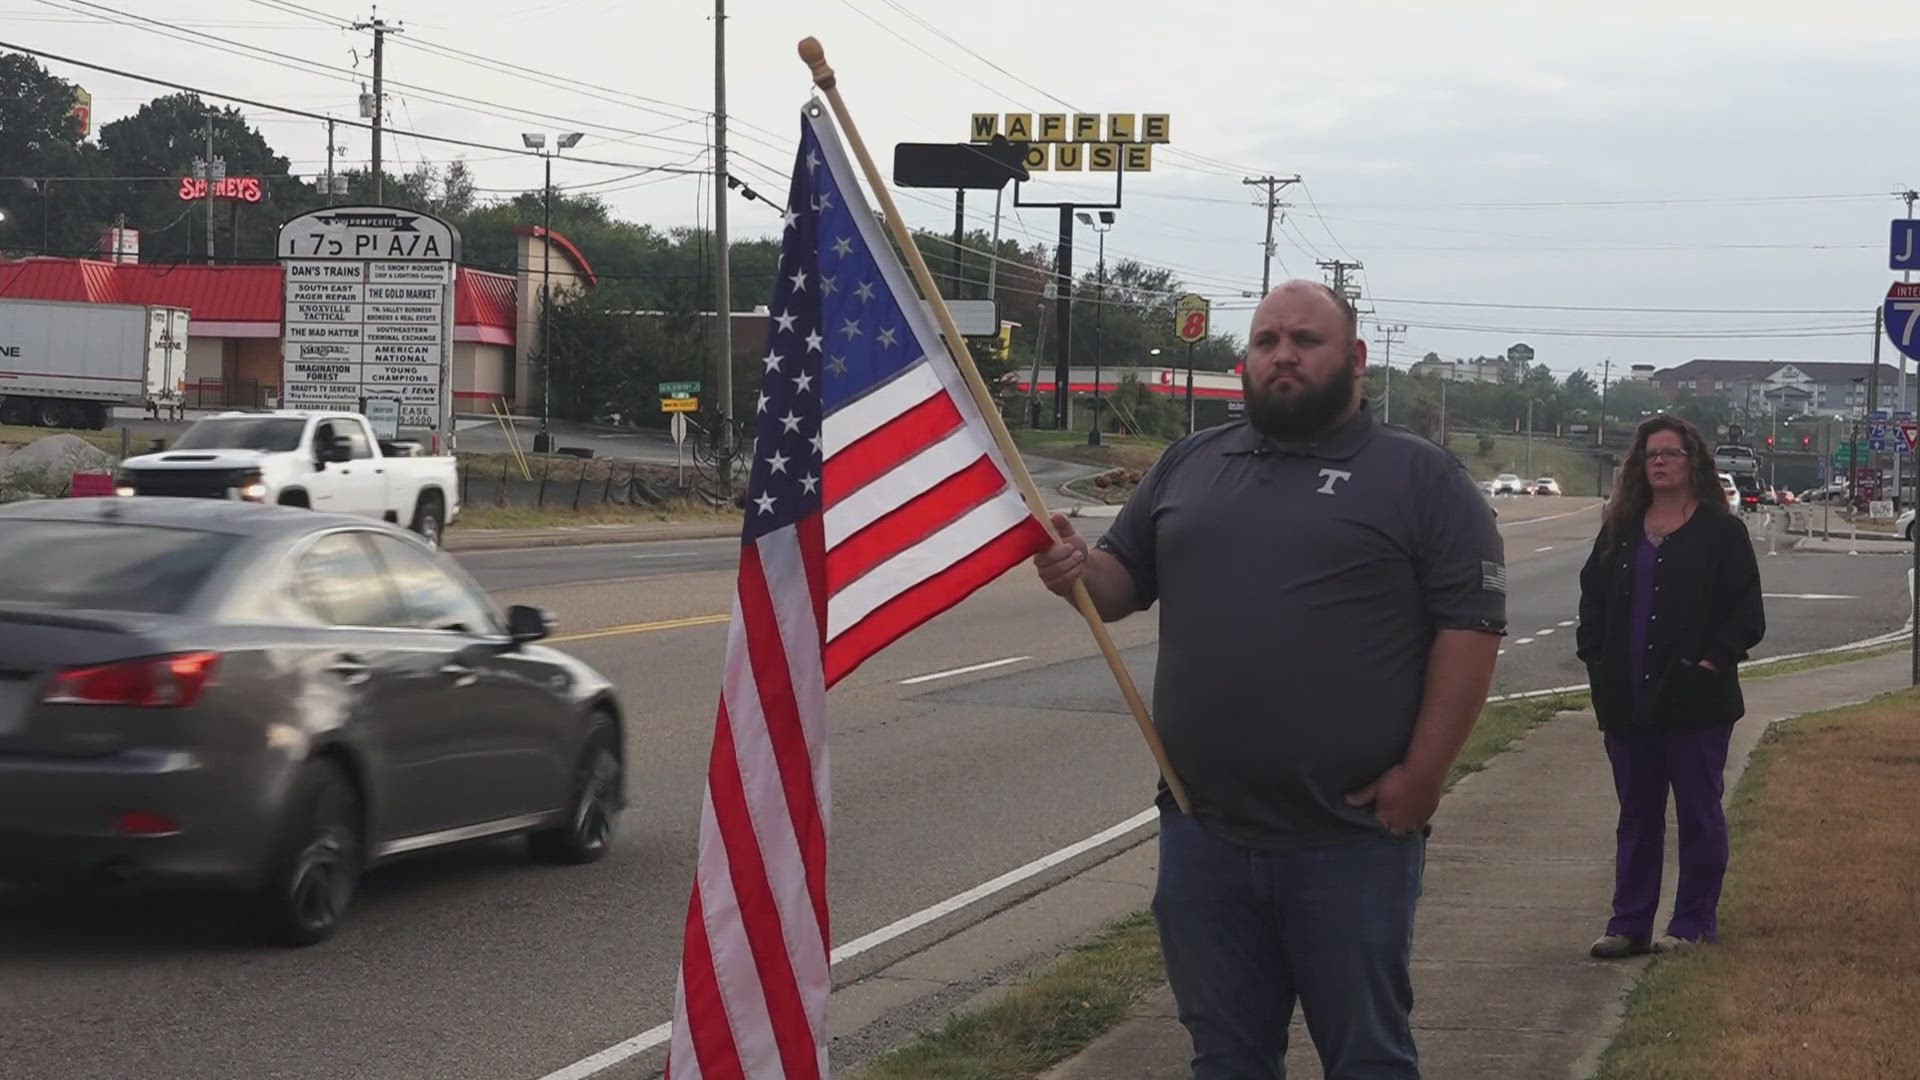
[1631,492]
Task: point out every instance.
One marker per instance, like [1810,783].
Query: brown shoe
[1617,947]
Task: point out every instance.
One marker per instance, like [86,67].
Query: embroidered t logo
[1332,477]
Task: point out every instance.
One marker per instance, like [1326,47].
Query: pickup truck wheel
[427,519]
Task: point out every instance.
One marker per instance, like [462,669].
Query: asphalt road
[477,963]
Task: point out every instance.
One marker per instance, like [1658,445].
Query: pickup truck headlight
[251,487]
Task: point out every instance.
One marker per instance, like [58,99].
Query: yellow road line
[640,628]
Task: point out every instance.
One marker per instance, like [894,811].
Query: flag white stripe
[685,1063]
[773,829]
[924,560]
[894,489]
[858,419]
[780,558]
[733,967]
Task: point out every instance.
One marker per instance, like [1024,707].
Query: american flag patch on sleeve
[1493,577]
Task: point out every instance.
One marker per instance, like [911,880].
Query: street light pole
[543,441]
[1101,226]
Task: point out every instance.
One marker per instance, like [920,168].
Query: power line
[311,115]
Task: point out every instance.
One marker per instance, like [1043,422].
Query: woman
[1669,605]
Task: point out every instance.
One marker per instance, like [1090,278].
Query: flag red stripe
[884,448]
[713,1045]
[773,682]
[888,622]
[759,913]
[914,521]
[812,530]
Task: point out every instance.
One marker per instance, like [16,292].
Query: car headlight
[251,487]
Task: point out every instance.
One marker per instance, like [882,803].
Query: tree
[156,146]
[1630,400]
[54,207]
[1579,391]
[457,195]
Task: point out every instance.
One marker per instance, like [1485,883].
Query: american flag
[877,500]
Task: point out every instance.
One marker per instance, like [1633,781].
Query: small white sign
[384,415]
[1881,509]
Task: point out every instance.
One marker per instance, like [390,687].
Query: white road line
[1538,550]
[1502,652]
[666,555]
[1524,641]
[1567,622]
[1875,642]
[1555,517]
[657,1036]
[1543,633]
[968,670]
[1806,596]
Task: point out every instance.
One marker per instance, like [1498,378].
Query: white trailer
[69,364]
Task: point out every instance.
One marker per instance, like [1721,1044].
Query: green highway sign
[679,389]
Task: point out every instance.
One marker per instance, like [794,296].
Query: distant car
[1735,458]
[1731,490]
[1747,492]
[1508,484]
[1904,526]
[1546,485]
[271,700]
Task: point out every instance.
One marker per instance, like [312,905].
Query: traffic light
[1769,442]
[1806,442]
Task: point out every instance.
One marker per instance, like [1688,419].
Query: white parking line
[665,555]
[1806,596]
[1554,517]
[968,670]
[1538,550]
[656,1036]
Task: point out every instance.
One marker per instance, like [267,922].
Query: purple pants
[1645,765]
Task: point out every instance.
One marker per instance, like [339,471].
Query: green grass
[1574,467]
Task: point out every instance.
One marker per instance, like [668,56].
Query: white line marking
[665,555]
[1555,517]
[1538,550]
[1567,622]
[1807,596]
[1502,652]
[1524,641]
[1544,633]
[968,670]
[656,1036]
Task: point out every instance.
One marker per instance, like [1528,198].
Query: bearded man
[1332,593]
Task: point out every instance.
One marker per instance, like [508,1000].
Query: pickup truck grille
[183,483]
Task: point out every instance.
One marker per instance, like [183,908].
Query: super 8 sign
[1190,315]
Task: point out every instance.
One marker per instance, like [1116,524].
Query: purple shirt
[1640,624]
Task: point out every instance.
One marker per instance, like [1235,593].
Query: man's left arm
[1461,563]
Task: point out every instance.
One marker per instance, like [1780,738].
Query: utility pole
[1443,411]
[380,30]
[1339,270]
[1600,429]
[1273,206]
[723,287]
[1529,468]
[329,161]
[1387,332]
[212,179]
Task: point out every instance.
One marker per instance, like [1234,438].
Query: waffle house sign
[1079,142]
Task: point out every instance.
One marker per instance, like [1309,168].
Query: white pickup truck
[325,461]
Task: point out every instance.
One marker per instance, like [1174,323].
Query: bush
[1486,444]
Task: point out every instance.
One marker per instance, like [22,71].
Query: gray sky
[1683,154]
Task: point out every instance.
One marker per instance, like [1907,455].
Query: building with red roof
[233,348]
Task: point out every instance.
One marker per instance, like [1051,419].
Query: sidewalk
[1519,873]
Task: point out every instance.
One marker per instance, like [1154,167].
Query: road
[476,963]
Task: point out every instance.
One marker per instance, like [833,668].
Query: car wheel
[317,861]
[592,808]
[427,519]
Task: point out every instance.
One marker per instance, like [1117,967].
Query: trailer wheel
[50,414]
[96,417]
[14,412]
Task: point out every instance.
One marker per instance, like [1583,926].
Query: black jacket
[1706,606]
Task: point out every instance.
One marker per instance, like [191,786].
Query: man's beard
[1302,414]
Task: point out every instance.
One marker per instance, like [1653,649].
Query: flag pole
[823,77]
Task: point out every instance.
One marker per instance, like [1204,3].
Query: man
[1332,593]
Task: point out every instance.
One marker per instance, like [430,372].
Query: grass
[1115,451]
[527,517]
[1573,466]
[1814,973]
[108,440]
[1091,989]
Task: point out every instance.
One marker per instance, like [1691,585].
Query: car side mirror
[526,624]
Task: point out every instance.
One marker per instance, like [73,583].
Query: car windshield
[274,434]
[106,565]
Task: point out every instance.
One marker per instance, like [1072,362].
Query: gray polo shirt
[1300,588]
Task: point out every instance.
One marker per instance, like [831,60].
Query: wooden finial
[816,58]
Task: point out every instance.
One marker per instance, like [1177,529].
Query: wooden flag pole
[823,77]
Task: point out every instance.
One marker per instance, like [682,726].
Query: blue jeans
[1246,933]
